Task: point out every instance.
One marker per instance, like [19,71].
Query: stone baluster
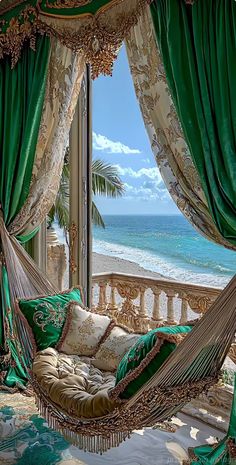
[112,304]
[156,313]
[102,296]
[170,307]
[184,309]
[142,309]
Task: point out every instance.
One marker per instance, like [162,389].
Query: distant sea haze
[168,245]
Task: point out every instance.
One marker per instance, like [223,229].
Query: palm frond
[105,180]
[96,217]
[51,216]
[61,206]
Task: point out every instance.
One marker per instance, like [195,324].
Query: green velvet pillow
[145,357]
[46,316]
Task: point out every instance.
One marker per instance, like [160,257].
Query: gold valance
[95,27]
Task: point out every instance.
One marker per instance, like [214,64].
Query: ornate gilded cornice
[96,30]
[7,5]
[15,30]
[98,35]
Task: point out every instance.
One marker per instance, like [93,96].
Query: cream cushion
[114,347]
[72,383]
[82,332]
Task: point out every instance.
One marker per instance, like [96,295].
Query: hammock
[190,370]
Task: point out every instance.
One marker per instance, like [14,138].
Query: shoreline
[102,263]
[105,263]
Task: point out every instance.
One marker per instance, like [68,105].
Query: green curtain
[22,91]
[198,47]
[207,455]
[22,95]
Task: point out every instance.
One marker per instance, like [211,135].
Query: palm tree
[105,181]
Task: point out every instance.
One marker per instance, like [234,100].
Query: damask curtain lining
[65,74]
[164,130]
[199,58]
[58,72]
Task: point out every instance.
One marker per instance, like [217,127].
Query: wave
[161,265]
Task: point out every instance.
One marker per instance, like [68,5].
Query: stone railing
[143,303]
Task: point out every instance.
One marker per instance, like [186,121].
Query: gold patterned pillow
[83,331]
[113,349]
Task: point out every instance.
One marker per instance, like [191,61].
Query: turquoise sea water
[168,245]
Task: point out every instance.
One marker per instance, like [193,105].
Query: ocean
[168,245]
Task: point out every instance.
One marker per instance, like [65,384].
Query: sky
[119,138]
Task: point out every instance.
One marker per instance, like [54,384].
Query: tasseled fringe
[95,444]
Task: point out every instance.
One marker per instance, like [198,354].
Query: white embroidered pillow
[82,332]
[113,349]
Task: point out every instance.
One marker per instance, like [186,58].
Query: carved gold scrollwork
[73,232]
[129,293]
[199,304]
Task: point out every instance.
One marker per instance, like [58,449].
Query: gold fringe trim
[97,40]
[20,29]
[133,374]
[125,418]
[231,444]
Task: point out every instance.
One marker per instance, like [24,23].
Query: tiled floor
[26,440]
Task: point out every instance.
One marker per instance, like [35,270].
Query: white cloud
[102,143]
[146,160]
[151,173]
[148,191]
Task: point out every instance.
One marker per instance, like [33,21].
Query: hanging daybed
[33,135]
[80,398]
[96,398]
[83,402]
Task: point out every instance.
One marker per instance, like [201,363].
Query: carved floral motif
[129,292]
[73,232]
[199,304]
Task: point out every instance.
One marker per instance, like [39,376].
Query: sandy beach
[104,264]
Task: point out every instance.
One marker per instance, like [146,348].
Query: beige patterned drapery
[163,127]
[65,74]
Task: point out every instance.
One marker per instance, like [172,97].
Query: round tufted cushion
[72,383]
